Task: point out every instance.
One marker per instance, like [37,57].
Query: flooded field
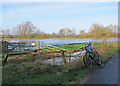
[62,41]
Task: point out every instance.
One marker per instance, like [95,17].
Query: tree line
[27,30]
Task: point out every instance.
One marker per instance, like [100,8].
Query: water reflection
[60,60]
[62,41]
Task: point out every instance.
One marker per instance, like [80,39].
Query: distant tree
[73,31]
[97,31]
[54,34]
[69,32]
[114,29]
[38,31]
[61,32]
[5,32]
[24,29]
[82,32]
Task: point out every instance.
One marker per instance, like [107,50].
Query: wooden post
[105,41]
[6,46]
[53,48]
[53,61]
[70,57]
[63,56]
[38,46]
[69,61]
[19,47]
[3,46]
[24,46]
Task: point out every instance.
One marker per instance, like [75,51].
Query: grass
[34,72]
[109,53]
[41,74]
[78,45]
[107,50]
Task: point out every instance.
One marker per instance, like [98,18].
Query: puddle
[60,60]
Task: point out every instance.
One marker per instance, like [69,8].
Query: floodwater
[62,41]
[60,60]
[59,42]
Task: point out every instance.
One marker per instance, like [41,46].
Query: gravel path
[106,75]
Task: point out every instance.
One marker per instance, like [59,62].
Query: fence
[41,46]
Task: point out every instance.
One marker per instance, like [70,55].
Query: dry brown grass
[101,49]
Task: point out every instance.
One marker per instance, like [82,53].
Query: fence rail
[41,46]
[47,49]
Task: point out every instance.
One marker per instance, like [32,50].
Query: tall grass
[106,50]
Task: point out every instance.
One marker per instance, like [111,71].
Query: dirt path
[106,75]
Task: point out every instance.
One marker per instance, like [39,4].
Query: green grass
[58,78]
[2,55]
[31,72]
[78,45]
[73,46]
[41,74]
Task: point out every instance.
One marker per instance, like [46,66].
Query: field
[29,71]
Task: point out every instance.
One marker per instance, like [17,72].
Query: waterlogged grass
[34,72]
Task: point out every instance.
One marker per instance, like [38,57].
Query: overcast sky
[53,16]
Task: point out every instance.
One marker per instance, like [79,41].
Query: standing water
[61,41]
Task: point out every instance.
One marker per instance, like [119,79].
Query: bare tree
[24,30]
[5,33]
[61,32]
[69,31]
[82,32]
[114,29]
[73,31]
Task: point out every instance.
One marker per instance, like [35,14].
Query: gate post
[38,46]
[6,46]
[63,56]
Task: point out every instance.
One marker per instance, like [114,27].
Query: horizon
[52,16]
